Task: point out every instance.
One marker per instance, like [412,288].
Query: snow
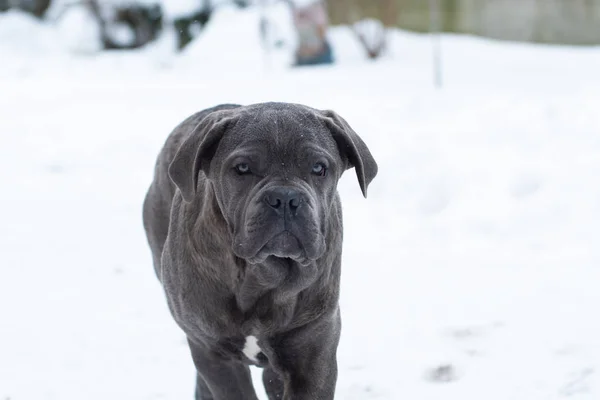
[79,30]
[470,272]
[232,42]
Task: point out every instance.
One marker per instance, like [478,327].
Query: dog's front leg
[220,379]
[306,363]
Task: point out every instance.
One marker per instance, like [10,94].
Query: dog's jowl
[244,223]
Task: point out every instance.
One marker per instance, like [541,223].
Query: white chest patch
[251,348]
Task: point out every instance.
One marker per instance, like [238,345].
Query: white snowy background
[471,272]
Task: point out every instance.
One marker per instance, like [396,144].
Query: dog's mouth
[283,249]
[284,245]
[284,262]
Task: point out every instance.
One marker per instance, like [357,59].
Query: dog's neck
[282,278]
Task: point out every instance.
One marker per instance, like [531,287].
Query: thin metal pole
[434,29]
[264,28]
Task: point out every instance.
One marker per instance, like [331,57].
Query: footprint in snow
[442,374]
[473,332]
[578,383]
[468,335]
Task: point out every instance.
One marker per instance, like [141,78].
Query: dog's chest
[247,349]
[251,349]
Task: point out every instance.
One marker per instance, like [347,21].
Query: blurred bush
[35,7]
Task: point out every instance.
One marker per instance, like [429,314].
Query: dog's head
[274,169]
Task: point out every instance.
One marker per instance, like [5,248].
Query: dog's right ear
[196,152]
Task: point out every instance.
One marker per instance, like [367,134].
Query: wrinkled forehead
[280,130]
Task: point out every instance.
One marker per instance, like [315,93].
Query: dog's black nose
[283,198]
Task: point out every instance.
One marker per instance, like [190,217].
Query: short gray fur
[255,253]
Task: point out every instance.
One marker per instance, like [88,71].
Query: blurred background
[471,270]
[114,24]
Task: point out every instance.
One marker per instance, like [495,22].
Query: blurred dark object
[132,25]
[145,21]
[4,5]
[311,24]
[122,27]
[324,57]
[186,25]
[35,7]
[372,36]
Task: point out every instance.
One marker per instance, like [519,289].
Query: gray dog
[245,225]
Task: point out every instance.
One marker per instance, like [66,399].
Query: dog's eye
[242,168]
[319,169]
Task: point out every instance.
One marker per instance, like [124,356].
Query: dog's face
[274,169]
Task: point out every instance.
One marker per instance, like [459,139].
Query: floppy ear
[196,152]
[352,148]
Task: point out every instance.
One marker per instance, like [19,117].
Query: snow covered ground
[471,272]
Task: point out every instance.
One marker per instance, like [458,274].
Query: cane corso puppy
[245,226]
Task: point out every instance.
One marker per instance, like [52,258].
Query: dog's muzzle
[283,223]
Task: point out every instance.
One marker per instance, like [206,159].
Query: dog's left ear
[352,147]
